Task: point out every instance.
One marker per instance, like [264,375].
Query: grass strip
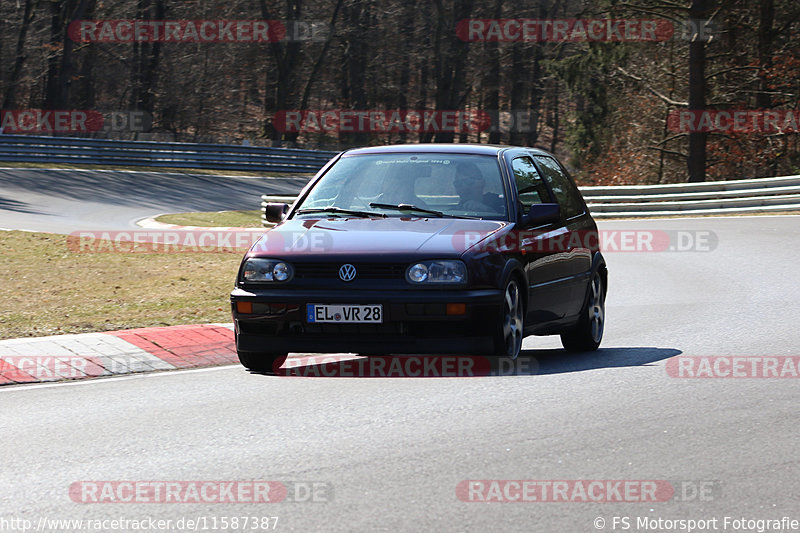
[48,289]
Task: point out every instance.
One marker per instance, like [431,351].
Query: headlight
[437,271]
[258,269]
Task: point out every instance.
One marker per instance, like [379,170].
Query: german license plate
[345,313]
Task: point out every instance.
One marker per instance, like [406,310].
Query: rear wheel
[508,340]
[262,362]
[587,334]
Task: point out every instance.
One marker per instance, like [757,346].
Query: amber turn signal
[456,309]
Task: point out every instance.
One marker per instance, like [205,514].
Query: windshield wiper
[409,207]
[340,211]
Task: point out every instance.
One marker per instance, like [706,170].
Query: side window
[530,187]
[566,193]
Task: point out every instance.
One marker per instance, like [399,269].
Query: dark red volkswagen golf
[424,249]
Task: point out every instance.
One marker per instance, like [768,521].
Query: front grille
[410,329]
[363,270]
[396,328]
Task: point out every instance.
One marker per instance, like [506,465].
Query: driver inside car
[469,185]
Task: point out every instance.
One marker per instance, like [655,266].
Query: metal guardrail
[73,150]
[266,198]
[762,195]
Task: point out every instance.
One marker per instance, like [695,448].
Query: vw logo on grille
[347,272]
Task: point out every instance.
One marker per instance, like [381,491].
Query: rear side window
[530,186]
[566,193]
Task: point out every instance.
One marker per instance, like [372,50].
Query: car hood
[369,236]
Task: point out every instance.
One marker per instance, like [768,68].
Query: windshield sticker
[413,161]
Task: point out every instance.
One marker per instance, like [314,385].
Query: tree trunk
[493,77]
[450,61]
[285,57]
[60,66]
[518,90]
[322,55]
[556,123]
[765,44]
[535,88]
[765,38]
[10,100]
[696,162]
[355,64]
[145,61]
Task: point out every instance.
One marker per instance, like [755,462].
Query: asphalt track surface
[63,201]
[391,451]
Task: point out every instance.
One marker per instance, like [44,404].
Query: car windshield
[411,184]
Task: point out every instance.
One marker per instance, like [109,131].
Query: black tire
[508,339]
[262,362]
[588,333]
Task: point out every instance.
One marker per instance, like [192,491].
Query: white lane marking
[707,217]
[155,373]
[29,230]
[94,381]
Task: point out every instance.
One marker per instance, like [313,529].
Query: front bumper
[414,322]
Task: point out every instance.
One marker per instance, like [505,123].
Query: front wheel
[508,340]
[587,334]
[262,362]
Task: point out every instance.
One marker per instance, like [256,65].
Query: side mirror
[275,212]
[540,214]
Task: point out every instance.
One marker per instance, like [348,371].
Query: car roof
[441,148]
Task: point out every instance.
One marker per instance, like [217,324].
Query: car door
[576,257]
[544,260]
